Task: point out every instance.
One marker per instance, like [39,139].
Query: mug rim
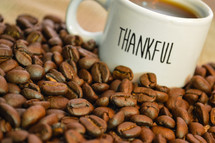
[163,17]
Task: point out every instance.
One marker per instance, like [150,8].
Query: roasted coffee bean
[165,121]
[36,112]
[32,102]
[168,134]
[209,137]
[76,126]
[142,120]
[36,72]
[9,113]
[117,119]
[146,134]
[87,62]
[129,112]
[100,87]
[79,107]
[159,139]
[202,113]
[198,82]
[31,94]
[85,75]
[70,52]
[18,76]
[94,125]
[67,70]
[194,95]
[54,88]
[72,136]
[49,119]
[48,65]
[105,113]
[34,36]
[115,137]
[89,93]
[5,126]
[150,109]
[32,138]
[121,99]
[212,116]
[195,138]
[178,141]
[13,88]
[180,112]
[161,97]
[181,128]
[8,65]
[18,135]
[125,86]
[148,80]
[103,101]
[128,130]
[74,90]
[196,128]
[121,72]
[100,72]
[144,94]
[57,58]
[165,111]
[14,100]
[85,53]
[54,75]
[43,131]
[58,102]
[60,113]
[3,85]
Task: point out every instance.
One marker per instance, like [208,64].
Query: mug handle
[73,25]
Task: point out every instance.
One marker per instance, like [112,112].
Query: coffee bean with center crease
[121,99]
[148,80]
[54,88]
[3,85]
[79,107]
[128,130]
[117,119]
[144,94]
[74,90]
[202,113]
[94,125]
[150,109]
[105,113]
[142,120]
[121,72]
[100,72]
[181,128]
[146,134]
[54,75]
[5,53]
[165,132]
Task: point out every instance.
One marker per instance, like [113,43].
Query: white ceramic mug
[147,41]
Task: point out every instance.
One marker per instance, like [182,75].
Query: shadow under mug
[148,41]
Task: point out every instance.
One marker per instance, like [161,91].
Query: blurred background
[90,15]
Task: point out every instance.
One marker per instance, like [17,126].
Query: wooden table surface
[90,16]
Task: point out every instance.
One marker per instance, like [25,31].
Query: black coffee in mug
[167,7]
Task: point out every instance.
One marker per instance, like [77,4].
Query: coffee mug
[146,40]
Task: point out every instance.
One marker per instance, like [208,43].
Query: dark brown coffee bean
[49,32]
[48,65]
[209,69]
[5,53]
[13,88]
[144,94]
[8,113]
[70,52]
[31,94]
[3,85]
[85,53]
[79,107]
[14,100]
[49,119]
[104,112]
[78,80]
[58,102]
[100,87]
[125,86]
[18,76]
[128,130]
[117,119]
[100,72]
[33,20]
[168,134]
[36,72]
[165,111]
[67,70]
[181,128]
[198,82]
[142,120]
[23,57]
[150,109]
[14,31]
[148,80]
[115,84]
[54,88]
[165,121]
[32,138]
[85,75]
[121,72]
[43,131]
[89,93]
[103,101]
[54,75]
[180,112]
[54,41]
[36,112]
[8,65]
[32,102]
[87,62]
[202,113]
[60,113]
[115,137]
[196,128]
[18,135]
[74,90]
[72,136]
[34,36]
[94,125]
[146,134]
[209,137]
[121,99]
[76,126]
[200,71]
[194,95]
[195,138]
[161,97]
[159,139]
[129,112]
[57,58]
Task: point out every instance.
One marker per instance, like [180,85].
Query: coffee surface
[167,7]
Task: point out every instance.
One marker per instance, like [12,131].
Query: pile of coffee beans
[54,89]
